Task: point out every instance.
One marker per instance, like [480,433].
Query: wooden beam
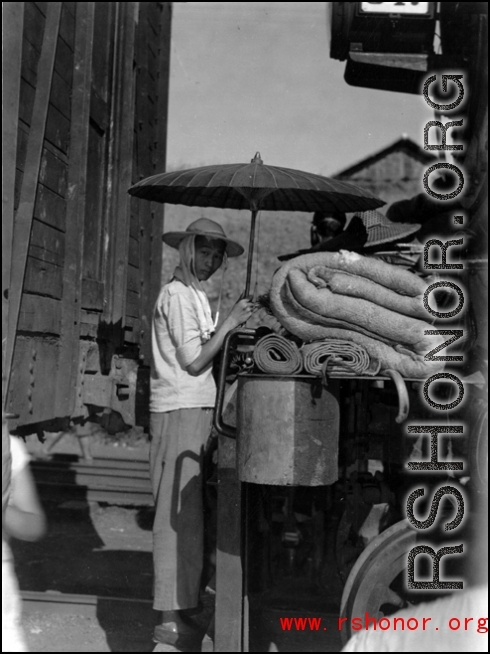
[230,585]
[145,138]
[13,22]
[160,153]
[120,160]
[163,86]
[23,218]
[67,379]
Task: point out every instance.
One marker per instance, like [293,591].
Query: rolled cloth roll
[342,295]
[276,355]
[338,356]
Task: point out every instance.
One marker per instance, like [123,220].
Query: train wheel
[374,584]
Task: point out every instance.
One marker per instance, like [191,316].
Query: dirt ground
[90,549]
[104,552]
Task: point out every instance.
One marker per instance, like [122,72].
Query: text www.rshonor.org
[480,625]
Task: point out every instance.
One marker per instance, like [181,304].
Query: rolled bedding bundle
[337,355]
[276,355]
[345,296]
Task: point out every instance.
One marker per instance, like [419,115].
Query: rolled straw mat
[276,355]
[338,356]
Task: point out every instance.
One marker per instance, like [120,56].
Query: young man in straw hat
[185,341]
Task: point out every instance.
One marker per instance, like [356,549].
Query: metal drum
[287,430]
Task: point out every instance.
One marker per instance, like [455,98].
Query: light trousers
[177,445]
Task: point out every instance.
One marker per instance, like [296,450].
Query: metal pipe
[220,426]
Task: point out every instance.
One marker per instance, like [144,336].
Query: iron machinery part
[219,424]
[369,509]
[403,401]
[368,587]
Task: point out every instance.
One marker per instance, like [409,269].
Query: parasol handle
[250,254]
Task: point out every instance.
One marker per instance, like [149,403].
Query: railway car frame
[85,117]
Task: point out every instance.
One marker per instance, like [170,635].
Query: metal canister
[287,430]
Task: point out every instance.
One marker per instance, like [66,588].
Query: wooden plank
[144,138]
[67,26]
[50,208]
[34,25]
[132,330]
[13,21]
[158,164]
[229,571]
[71,7]
[22,142]
[18,186]
[27,98]
[56,151]
[89,326]
[68,379]
[54,172]
[122,147]
[163,86]
[133,252]
[42,6]
[103,38]
[47,243]
[142,88]
[154,14]
[94,204]
[61,95]
[99,112]
[134,223]
[133,304]
[35,364]
[58,129]
[39,314]
[92,294]
[152,64]
[90,317]
[133,279]
[30,58]
[23,136]
[64,62]
[88,330]
[43,278]
[132,324]
[24,216]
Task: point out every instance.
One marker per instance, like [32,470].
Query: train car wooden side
[86,95]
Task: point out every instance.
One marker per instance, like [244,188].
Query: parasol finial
[257,158]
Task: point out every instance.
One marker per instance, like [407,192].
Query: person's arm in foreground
[24,516]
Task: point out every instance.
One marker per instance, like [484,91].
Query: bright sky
[257,76]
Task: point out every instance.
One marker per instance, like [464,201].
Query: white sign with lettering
[417,8]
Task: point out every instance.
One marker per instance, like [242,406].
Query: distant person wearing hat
[325,226]
[185,341]
[327,234]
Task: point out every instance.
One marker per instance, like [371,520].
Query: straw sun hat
[382,230]
[207,228]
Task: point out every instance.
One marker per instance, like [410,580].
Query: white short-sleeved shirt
[176,341]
